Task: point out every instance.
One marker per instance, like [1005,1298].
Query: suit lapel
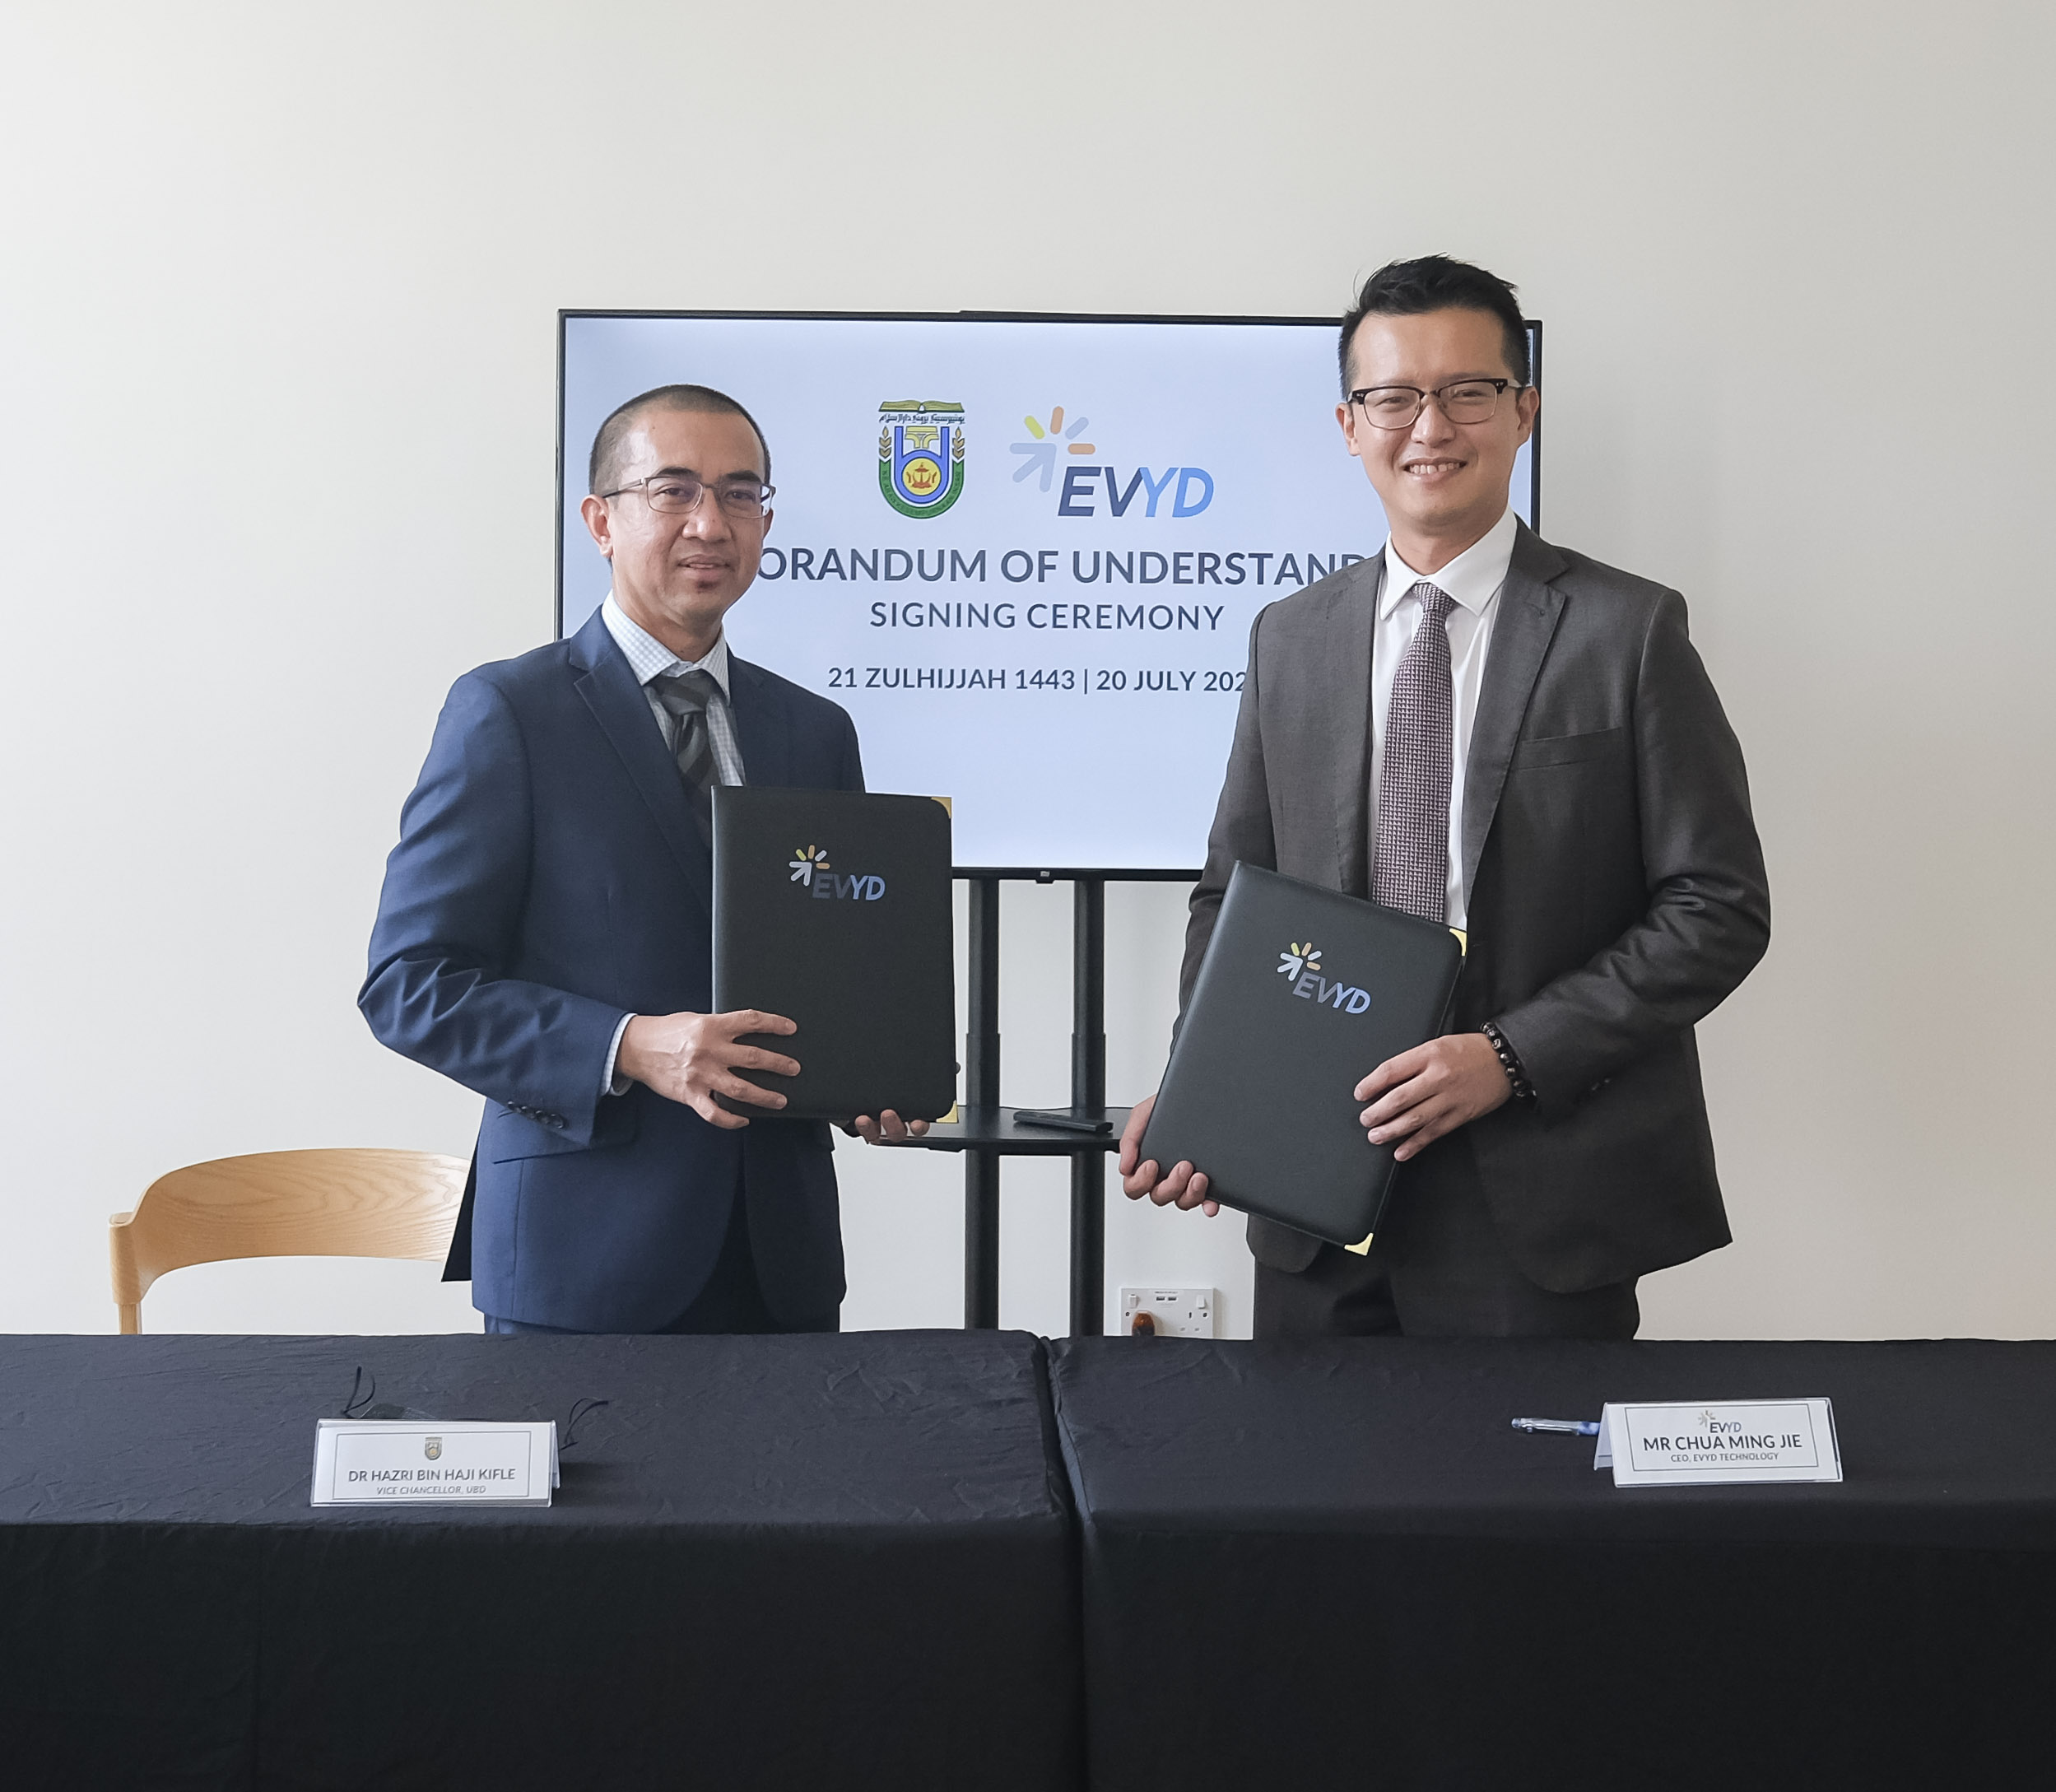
[1353,627]
[1528,607]
[766,741]
[617,703]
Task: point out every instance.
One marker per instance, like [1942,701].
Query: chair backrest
[285,1203]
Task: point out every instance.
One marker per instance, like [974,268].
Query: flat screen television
[1023,551]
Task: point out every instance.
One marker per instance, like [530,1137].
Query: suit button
[554,1120]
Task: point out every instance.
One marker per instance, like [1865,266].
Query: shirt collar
[649,657]
[1472,579]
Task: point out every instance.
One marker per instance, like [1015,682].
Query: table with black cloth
[1337,1564]
[805,1561]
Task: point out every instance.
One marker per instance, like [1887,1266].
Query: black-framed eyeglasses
[676,492]
[1461,401]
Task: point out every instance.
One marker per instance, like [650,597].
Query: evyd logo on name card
[921,455]
[809,866]
[1302,966]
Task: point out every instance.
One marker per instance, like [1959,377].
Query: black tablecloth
[784,1561]
[1336,1563]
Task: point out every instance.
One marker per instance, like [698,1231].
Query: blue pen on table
[1574,1427]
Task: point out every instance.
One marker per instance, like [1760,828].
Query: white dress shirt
[1473,581]
[649,660]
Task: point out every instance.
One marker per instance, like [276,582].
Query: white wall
[277,291]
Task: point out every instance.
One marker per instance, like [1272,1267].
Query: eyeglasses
[1462,400]
[677,492]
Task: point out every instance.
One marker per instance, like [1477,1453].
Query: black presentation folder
[832,908]
[1303,993]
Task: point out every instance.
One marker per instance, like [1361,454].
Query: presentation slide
[1024,553]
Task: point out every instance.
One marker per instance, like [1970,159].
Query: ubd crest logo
[1302,966]
[809,866]
[921,455]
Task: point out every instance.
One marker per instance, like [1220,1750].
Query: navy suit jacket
[549,879]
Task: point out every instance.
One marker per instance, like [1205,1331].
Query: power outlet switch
[1173,1312]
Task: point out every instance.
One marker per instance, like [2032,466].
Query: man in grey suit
[1483,728]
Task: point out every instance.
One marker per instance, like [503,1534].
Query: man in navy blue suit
[544,937]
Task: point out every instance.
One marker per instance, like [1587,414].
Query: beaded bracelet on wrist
[1509,1062]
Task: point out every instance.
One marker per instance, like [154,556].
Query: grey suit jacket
[1616,885]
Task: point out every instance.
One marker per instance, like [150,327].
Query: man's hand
[1433,1089]
[1184,1187]
[888,1129]
[692,1058]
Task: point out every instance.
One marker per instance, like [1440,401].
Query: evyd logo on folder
[811,867]
[1303,966]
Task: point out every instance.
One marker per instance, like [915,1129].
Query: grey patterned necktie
[685,696]
[1412,866]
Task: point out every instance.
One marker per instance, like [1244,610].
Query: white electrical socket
[1174,1312]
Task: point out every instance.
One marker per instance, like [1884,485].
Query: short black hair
[603,471]
[1406,289]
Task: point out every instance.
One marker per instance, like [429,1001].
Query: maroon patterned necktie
[1412,865]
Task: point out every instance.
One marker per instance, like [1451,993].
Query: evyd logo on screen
[1302,966]
[921,454]
[1190,489]
[809,866]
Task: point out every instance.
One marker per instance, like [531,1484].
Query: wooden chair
[285,1203]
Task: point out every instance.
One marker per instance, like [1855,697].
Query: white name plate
[1703,1443]
[370,1462]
